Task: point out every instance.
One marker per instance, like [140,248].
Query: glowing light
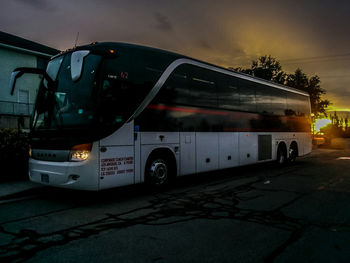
[343,158]
[80,155]
[320,123]
[81,152]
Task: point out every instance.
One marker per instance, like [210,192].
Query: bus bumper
[74,175]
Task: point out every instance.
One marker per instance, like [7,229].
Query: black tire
[158,172]
[281,154]
[293,152]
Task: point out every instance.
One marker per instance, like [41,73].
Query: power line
[317,57]
[334,77]
[329,60]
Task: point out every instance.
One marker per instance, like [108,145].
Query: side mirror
[14,76]
[18,72]
[77,61]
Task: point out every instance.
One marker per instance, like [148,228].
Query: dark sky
[312,35]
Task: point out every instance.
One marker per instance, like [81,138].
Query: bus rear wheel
[293,152]
[281,154]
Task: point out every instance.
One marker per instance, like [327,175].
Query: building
[17,52]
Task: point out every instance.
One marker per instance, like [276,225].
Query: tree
[301,81]
[267,67]
[337,128]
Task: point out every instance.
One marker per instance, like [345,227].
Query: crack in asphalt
[167,209]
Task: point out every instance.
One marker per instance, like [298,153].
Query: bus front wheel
[157,172]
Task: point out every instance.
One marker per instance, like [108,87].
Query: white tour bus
[112,114]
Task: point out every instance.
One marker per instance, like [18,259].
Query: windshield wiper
[18,72]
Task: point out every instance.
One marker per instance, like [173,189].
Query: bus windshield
[95,98]
[70,104]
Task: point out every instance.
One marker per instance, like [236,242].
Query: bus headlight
[81,152]
[80,155]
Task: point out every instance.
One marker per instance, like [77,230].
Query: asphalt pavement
[258,213]
[12,188]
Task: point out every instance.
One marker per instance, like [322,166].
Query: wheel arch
[282,146]
[294,144]
[165,152]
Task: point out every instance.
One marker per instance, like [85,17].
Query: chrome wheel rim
[158,172]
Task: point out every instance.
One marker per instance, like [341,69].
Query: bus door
[117,158]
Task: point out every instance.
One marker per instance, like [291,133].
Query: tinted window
[148,66]
[228,92]
[297,105]
[72,104]
[278,101]
[203,88]
[118,96]
[305,105]
[176,89]
[247,95]
[263,98]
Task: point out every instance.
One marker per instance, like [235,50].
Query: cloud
[204,44]
[163,23]
[38,4]
[227,33]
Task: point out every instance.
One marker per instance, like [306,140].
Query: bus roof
[102,46]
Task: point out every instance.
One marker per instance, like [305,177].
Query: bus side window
[263,99]
[228,92]
[278,101]
[115,88]
[305,105]
[247,96]
[203,87]
[296,105]
[147,68]
[176,89]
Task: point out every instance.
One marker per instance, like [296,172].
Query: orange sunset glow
[320,123]
[299,34]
